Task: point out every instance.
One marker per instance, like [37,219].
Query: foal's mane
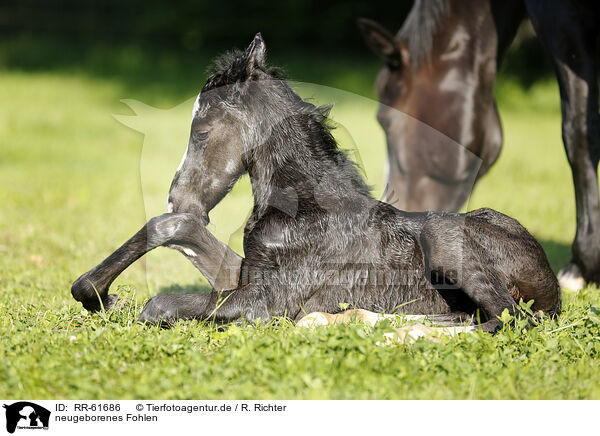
[232,67]
[420,27]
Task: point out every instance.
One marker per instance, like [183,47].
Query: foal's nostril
[194,208]
[173,203]
[170,204]
[204,218]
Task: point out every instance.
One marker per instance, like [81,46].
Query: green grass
[75,183]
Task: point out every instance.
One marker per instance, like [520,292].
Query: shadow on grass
[559,253]
[195,288]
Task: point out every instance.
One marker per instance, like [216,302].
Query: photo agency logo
[24,415]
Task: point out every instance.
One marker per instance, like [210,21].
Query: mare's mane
[420,27]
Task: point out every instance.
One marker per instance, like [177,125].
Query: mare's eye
[385,122]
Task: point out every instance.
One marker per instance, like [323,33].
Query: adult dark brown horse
[440,70]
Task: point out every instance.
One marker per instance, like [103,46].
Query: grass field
[75,183]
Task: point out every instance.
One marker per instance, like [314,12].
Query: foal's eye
[202,135]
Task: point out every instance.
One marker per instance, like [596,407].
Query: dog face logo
[26,415]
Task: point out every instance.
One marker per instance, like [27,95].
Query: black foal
[316,238]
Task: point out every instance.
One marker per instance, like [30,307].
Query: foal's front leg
[182,231]
[248,302]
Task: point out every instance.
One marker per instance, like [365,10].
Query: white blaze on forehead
[457,45]
[196,106]
[462,85]
[194,113]
[170,206]
[182,160]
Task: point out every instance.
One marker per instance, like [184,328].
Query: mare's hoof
[570,278]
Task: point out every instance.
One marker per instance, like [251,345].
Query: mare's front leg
[182,231]
[573,52]
[248,302]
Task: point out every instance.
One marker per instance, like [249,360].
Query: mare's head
[228,119]
[436,95]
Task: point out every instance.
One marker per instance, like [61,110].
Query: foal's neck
[300,168]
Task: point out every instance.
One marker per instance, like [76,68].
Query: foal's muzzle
[186,207]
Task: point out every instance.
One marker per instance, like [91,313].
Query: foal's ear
[381,42]
[256,53]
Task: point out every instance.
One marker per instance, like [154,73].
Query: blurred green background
[116,37]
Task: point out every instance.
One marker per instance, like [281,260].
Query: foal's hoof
[157,312]
[83,291]
[570,278]
[109,301]
[107,304]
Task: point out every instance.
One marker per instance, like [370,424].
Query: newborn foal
[316,238]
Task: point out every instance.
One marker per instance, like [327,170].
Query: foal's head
[229,117]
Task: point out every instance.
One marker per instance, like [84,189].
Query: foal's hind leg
[569,31]
[184,232]
[453,262]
